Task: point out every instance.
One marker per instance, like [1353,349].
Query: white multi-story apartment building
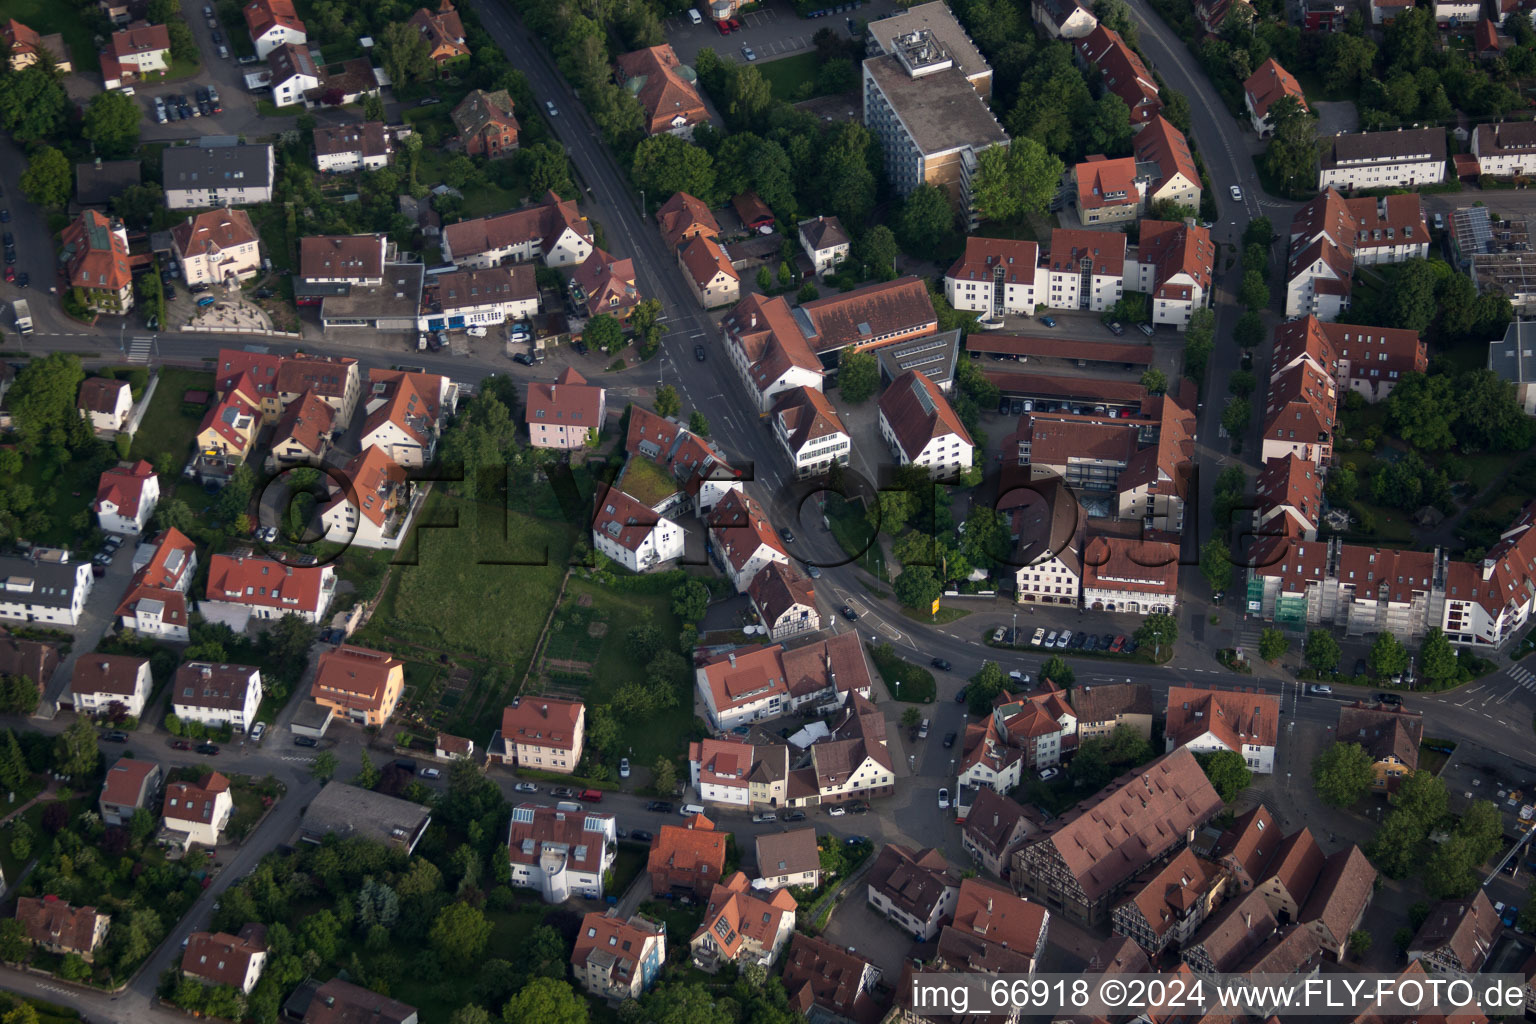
[996,277]
[213,175]
[470,298]
[1083,270]
[101,680]
[44,585]
[553,230]
[810,432]
[155,604]
[921,428]
[362,146]
[559,853]
[126,497]
[216,694]
[742,539]
[718,770]
[1505,149]
[1246,722]
[627,531]
[217,247]
[1405,158]
[1173,265]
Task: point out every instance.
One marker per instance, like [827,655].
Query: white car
[764,818]
[943,799]
[431,773]
[476,332]
[525,787]
[258,731]
[1064,639]
[1237,193]
[623,767]
[837,811]
[1038,638]
[1048,774]
[1050,639]
[549,105]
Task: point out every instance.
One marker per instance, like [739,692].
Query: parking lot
[775,30]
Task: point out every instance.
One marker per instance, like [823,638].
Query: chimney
[754,320]
[732,658]
[544,710]
[989,904]
[1247,919]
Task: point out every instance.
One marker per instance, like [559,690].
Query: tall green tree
[917,587]
[1321,650]
[459,934]
[604,333]
[548,1001]
[1342,774]
[33,105]
[403,53]
[1292,155]
[323,768]
[76,751]
[667,401]
[858,376]
[984,686]
[1216,563]
[42,403]
[1159,632]
[877,250]
[1228,772]
[48,179]
[665,164]
[1437,658]
[1273,644]
[1014,180]
[1388,656]
[926,221]
[112,124]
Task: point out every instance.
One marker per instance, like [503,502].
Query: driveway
[95,620]
[774,31]
[1334,118]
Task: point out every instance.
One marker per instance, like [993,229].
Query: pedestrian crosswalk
[140,350]
[1523,676]
[1248,639]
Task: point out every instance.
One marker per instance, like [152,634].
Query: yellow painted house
[230,428]
[1390,735]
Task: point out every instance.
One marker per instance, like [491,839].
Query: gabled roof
[228,417]
[741,527]
[1250,842]
[123,487]
[1104,251]
[341,1002]
[1131,563]
[243,579]
[365,138]
[1464,928]
[1292,483]
[307,421]
[221,958]
[779,588]
[569,402]
[139,38]
[734,914]
[1102,702]
[161,579]
[1302,406]
[1362,149]
[1234,932]
[806,417]
[1102,182]
[543,722]
[705,260]
[1183,255]
[607,940]
[1048,521]
[682,215]
[124,784]
[819,974]
[195,802]
[1383,731]
[345,257]
[442,30]
[994,913]
[480,111]
[546,221]
[1268,84]
[203,684]
[726,761]
[355,677]
[695,850]
[992,820]
[917,413]
[213,231]
[607,281]
[1384,574]
[1133,822]
[53,922]
[862,316]
[114,675]
[1343,889]
[770,339]
[373,483]
[1164,145]
[1124,72]
[410,407]
[625,520]
[1297,864]
[1172,890]
[289,60]
[262,15]
[233,366]
[787,853]
[984,257]
[914,881]
[1235,717]
[823,233]
[95,251]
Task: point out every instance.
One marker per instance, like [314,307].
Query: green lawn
[166,428]
[854,535]
[271,222]
[236,35]
[786,74]
[474,580]
[49,16]
[65,491]
[917,686]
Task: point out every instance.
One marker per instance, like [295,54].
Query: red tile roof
[1178,250]
[1292,483]
[624,519]
[546,221]
[113,674]
[983,256]
[195,802]
[1342,891]
[261,15]
[139,38]
[354,677]
[262,367]
[807,416]
[534,826]
[51,921]
[1268,84]
[918,413]
[124,784]
[867,315]
[688,856]
[608,283]
[161,578]
[123,486]
[223,959]
[735,913]
[1104,249]
[1163,144]
[542,722]
[101,394]
[705,260]
[655,81]
[441,30]
[726,761]
[817,973]
[1302,406]
[1124,72]
[1102,182]
[95,251]
[1179,885]
[1131,563]
[205,685]
[307,421]
[740,528]
[327,376]
[994,913]
[344,257]
[242,579]
[683,216]
[1297,864]
[770,339]
[375,484]
[212,231]
[1235,717]
[226,417]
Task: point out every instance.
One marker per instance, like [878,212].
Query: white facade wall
[662,544]
[1137,602]
[1050,581]
[941,456]
[97,703]
[1381,175]
[19,604]
[276,36]
[1063,289]
[241,718]
[205,833]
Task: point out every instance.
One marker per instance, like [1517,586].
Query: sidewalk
[48,791]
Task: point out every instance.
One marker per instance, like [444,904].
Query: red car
[1118,645]
[724,27]
[590,796]
[10,272]
[180,745]
[735,24]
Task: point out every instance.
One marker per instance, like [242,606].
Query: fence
[222,329]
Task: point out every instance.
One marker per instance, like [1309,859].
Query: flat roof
[399,296]
[942,111]
[933,356]
[349,810]
[1058,348]
[938,19]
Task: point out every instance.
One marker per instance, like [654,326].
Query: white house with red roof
[229,429]
[560,853]
[224,959]
[544,733]
[217,247]
[126,496]
[629,532]
[100,680]
[1289,498]
[404,414]
[567,414]
[718,771]
[1129,574]
[694,464]
[1082,270]
[921,427]
[1244,721]
[743,686]
[155,604]
[994,277]
[246,587]
[1264,88]
[768,350]
[810,431]
[742,540]
[129,784]
[196,812]
[272,23]
[373,507]
[134,52]
[1109,191]
[742,927]
[1173,264]
[216,695]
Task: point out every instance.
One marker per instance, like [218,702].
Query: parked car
[940,664]
[1064,639]
[922,730]
[1048,321]
[591,796]
[949,740]
[1146,329]
[305,741]
[795,816]
[208,749]
[659,806]
[724,27]
[116,736]
[1048,774]
[858,807]
[698,352]
[22,279]
[836,811]
[1050,639]
[849,613]
[525,787]
[431,773]
[1118,645]
[523,358]
[764,818]
[1115,328]
[180,745]
[1393,699]
[1091,643]
[258,731]
[1320,689]
[623,767]
[943,798]
[562,792]
[1038,638]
